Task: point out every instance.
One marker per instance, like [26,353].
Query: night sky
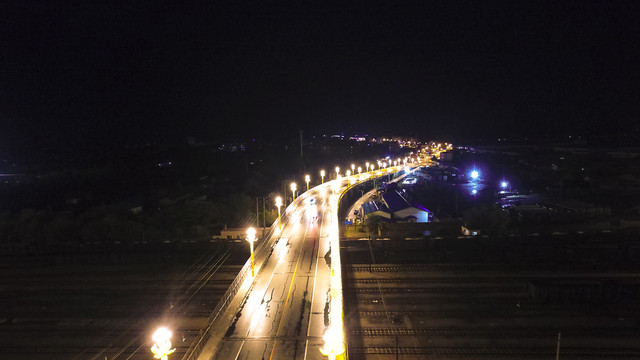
[88,71]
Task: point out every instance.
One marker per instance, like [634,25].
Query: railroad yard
[107,307]
[470,298]
[397,308]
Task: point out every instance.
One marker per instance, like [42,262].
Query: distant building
[373,208]
[238,233]
[402,210]
[394,207]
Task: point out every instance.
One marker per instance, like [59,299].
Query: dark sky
[147,70]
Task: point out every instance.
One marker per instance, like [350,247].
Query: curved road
[283,315]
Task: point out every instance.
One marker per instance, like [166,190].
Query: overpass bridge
[292,308]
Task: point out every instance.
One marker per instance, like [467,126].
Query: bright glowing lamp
[322,175]
[162,348]
[278,205]
[294,187]
[251,237]
[307,178]
[475,174]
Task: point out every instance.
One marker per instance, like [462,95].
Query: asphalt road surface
[285,312]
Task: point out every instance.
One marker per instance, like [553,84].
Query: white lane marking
[315,277]
[275,267]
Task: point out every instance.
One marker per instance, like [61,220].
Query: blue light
[475,174]
[474,191]
[504,184]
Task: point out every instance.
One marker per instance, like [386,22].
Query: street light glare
[162,348]
[278,201]
[251,233]
[475,174]
[161,335]
[294,187]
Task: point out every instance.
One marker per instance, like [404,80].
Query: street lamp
[348,173]
[353,168]
[294,187]
[337,171]
[162,348]
[333,344]
[307,178]
[278,204]
[367,166]
[359,169]
[251,237]
[322,175]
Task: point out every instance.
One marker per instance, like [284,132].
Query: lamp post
[337,171]
[348,173]
[294,187]
[307,178]
[322,175]
[278,204]
[162,348]
[353,168]
[367,166]
[251,237]
[359,169]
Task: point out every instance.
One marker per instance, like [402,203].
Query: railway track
[429,280]
[503,352]
[493,332]
[473,314]
[423,300]
[439,290]
[426,267]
